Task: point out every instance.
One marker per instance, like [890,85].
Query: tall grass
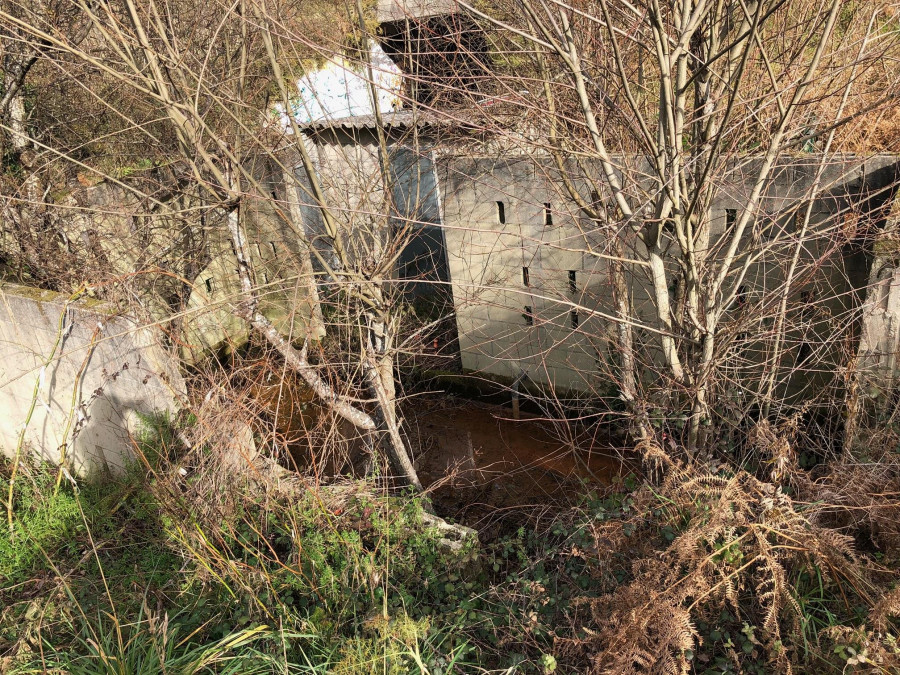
[162,572]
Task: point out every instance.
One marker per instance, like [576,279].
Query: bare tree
[665,134]
[208,84]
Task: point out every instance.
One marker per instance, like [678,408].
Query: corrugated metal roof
[487,116]
[402,119]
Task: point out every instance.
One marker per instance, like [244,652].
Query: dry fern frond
[776,448]
[886,607]
[739,542]
[860,496]
[654,641]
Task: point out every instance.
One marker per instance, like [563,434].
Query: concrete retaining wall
[508,218]
[528,268]
[97,374]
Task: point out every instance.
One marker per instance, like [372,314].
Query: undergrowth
[173,569]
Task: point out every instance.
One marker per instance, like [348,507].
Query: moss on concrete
[45,296]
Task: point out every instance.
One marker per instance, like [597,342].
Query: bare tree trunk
[627,366]
[393,444]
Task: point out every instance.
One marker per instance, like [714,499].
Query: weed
[151,645]
[703,573]
[45,522]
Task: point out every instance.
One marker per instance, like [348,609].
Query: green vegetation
[716,573]
[41,525]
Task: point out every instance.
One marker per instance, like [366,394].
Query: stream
[471,456]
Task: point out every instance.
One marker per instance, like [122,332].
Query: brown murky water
[472,454]
[291,404]
[469,454]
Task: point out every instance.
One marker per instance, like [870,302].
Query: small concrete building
[527,269]
[532,287]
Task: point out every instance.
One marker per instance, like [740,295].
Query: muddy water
[477,454]
[466,452]
[291,404]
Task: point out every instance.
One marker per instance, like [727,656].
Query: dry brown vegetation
[762,533]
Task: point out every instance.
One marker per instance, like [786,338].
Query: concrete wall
[280,260]
[504,214]
[349,171]
[495,223]
[348,167]
[96,373]
[877,366]
[151,250]
[880,340]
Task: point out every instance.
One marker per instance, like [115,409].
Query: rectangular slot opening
[209,285]
[526,278]
[740,297]
[596,204]
[573,287]
[730,218]
[274,250]
[548,214]
[573,318]
[501,213]
[528,315]
[799,215]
